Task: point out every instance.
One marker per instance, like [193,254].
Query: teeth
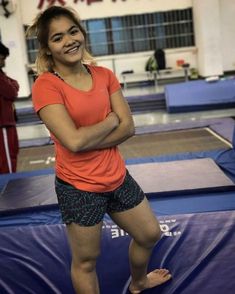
[72,50]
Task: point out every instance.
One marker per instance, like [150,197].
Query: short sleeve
[114,84]
[46,91]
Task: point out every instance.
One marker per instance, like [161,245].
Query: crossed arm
[113,130]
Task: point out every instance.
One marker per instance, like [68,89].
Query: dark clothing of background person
[9,145]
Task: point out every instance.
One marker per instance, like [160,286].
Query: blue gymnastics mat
[197,244]
[200,95]
[198,249]
[157,178]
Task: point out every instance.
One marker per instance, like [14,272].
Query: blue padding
[37,192]
[145,98]
[35,142]
[180,204]
[196,248]
[233,141]
[200,95]
[26,193]
[204,202]
[32,217]
[5,178]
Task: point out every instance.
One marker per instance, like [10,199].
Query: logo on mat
[167,227]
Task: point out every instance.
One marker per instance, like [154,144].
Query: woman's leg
[85,246]
[140,223]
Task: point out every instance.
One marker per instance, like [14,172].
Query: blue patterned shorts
[88,208]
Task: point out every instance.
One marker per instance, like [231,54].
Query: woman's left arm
[126,127]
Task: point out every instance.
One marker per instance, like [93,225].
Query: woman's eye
[74,31]
[57,39]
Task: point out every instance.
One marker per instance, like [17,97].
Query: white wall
[208,37]
[107,8]
[137,61]
[227,14]
[12,34]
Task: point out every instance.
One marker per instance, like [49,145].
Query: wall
[119,63]
[227,15]
[137,61]
[106,8]
[217,14]
[208,37]
[12,35]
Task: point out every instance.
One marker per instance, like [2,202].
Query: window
[97,35]
[32,46]
[135,33]
[142,32]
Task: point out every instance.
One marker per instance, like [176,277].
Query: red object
[180,62]
[100,170]
[9,148]
[8,135]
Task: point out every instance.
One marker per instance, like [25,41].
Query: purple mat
[28,193]
[168,178]
[180,176]
[197,248]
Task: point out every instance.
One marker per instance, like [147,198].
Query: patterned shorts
[88,208]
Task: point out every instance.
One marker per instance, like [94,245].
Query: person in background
[9,145]
[83,107]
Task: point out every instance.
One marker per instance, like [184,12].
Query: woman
[83,107]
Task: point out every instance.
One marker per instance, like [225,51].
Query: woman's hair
[40,29]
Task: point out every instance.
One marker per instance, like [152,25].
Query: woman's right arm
[58,121]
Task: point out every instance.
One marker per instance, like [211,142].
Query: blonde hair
[40,29]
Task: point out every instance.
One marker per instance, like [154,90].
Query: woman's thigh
[84,241]
[139,222]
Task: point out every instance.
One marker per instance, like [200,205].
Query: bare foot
[154,278]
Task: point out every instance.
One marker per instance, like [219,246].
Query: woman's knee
[84,264]
[149,237]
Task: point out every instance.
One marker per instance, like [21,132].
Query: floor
[43,156]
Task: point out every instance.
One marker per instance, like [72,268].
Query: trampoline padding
[197,248]
[26,193]
[159,177]
[200,95]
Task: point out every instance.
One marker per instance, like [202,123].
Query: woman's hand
[112,116]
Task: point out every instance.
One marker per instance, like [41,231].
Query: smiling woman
[66,44]
[40,28]
[83,107]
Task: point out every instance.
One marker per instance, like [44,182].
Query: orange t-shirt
[98,170]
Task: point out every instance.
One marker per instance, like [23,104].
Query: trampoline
[196,214]
[203,135]
[171,142]
[192,193]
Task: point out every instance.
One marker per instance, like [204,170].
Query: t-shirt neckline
[89,71]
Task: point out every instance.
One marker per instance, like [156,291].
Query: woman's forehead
[60,23]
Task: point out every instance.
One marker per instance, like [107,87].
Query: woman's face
[65,42]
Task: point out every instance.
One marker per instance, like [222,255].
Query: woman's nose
[69,39]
